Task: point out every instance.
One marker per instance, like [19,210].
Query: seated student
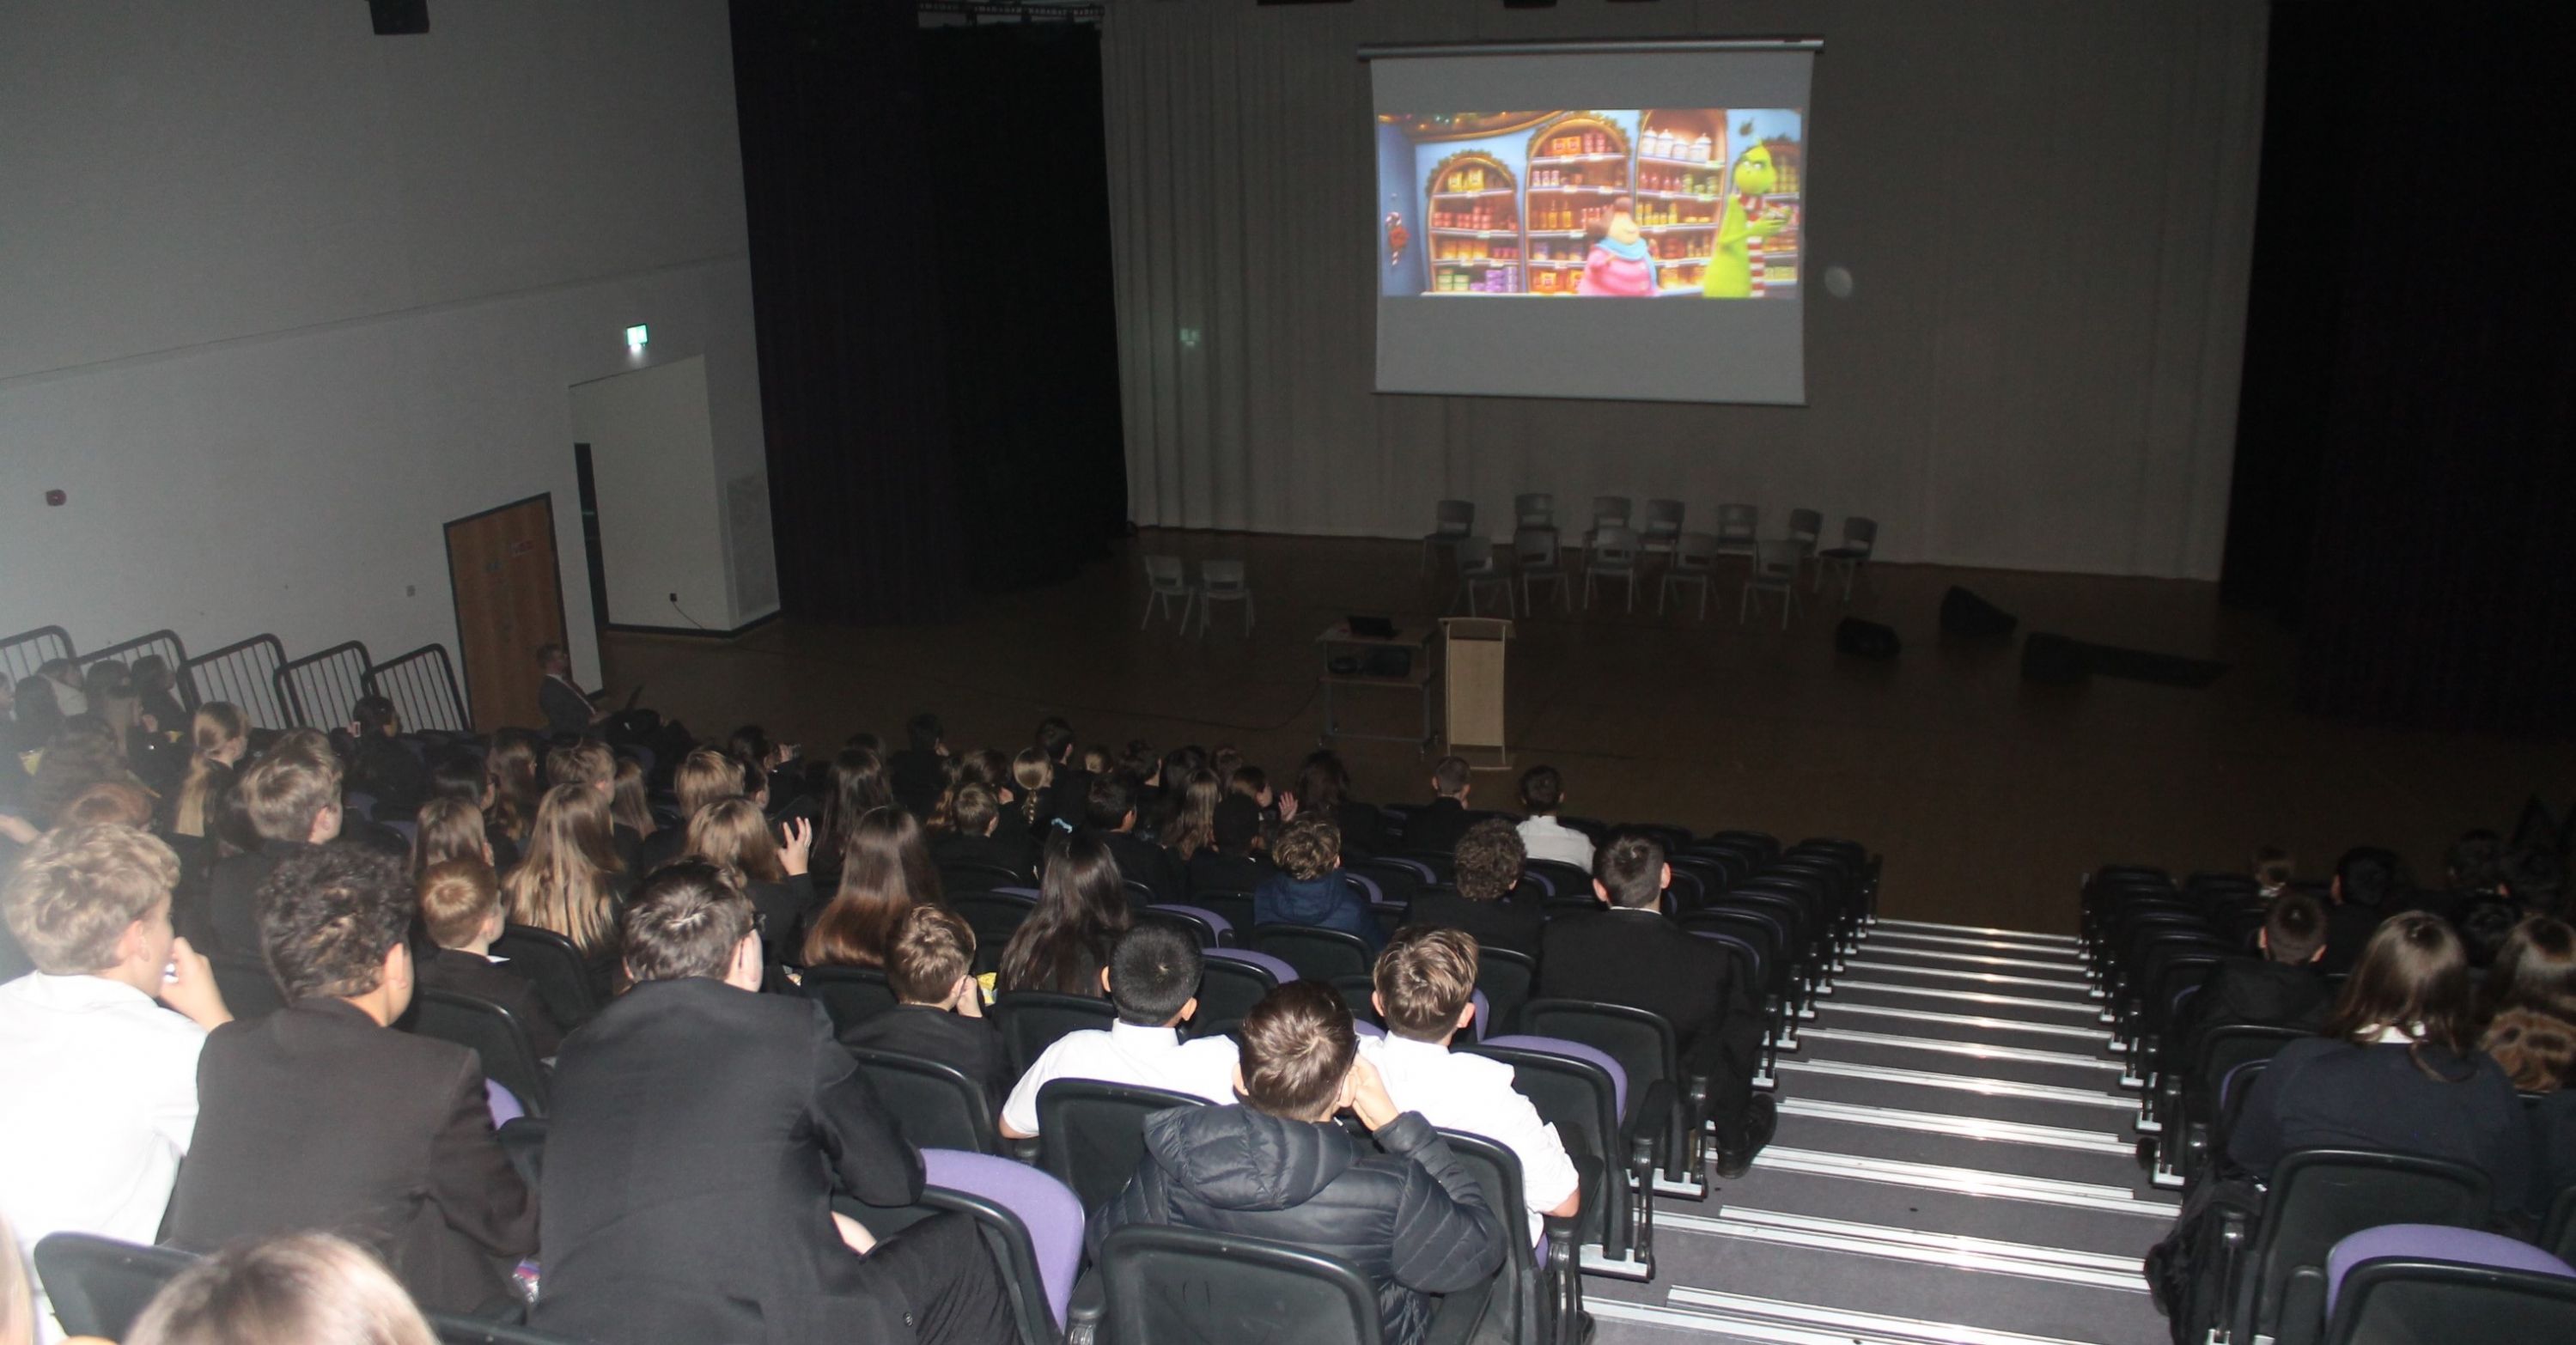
[939,1009]
[2279,989]
[1542,794]
[571,880]
[2535,969]
[1309,888]
[1324,790]
[702,777]
[700,1132]
[1190,826]
[319,1117]
[886,872]
[1235,859]
[1112,818]
[1082,909]
[460,904]
[1406,1214]
[2398,1069]
[2535,878]
[218,736]
[380,765]
[1425,993]
[590,762]
[1438,827]
[293,796]
[308,1289]
[2366,880]
[733,833]
[974,836]
[1068,789]
[1489,868]
[1630,954]
[1153,981]
[101,1085]
[919,771]
[2273,868]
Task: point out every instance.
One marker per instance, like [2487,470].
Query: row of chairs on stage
[1616,550]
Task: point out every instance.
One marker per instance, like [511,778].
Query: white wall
[653,477]
[281,297]
[2047,209]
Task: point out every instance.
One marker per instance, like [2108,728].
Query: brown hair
[120,803]
[587,762]
[1032,770]
[2273,866]
[1542,789]
[84,751]
[702,777]
[215,725]
[971,810]
[686,921]
[1425,976]
[78,888]
[565,881]
[1448,776]
[1298,1044]
[2295,928]
[734,833]
[510,772]
[2536,969]
[303,1289]
[1307,847]
[1490,856]
[931,949]
[1194,826]
[627,805]
[456,897]
[2535,1049]
[288,790]
[885,872]
[1632,867]
[2413,976]
[1081,911]
[448,829]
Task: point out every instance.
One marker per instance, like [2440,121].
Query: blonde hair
[588,762]
[289,788]
[732,832]
[704,776]
[216,725]
[1032,771]
[563,883]
[306,1289]
[78,888]
[1425,976]
[626,802]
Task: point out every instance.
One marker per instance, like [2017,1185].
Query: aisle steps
[1954,1166]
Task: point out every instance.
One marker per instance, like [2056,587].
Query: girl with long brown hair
[1082,909]
[886,871]
[1193,824]
[734,834]
[571,880]
[217,737]
[510,770]
[858,788]
[449,829]
[627,806]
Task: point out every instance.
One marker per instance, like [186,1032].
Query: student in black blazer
[1630,954]
[1234,861]
[919,773]
[974,836]
[293,798]
[317,1117]
[460,907]
[700,1133]
[1438,827]
[939,1014]
[732,833]
[1489,865]
[1113,820]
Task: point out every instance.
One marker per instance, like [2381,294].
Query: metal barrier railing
[23,653]
[321,691]
[422,685]
[244,673]
[161,644]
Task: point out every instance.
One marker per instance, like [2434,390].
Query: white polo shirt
[98,1106]
[1544,838]
[1471,1093]
[1150,1057]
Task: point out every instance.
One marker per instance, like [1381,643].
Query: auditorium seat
[1167,1285]
[1033,1020]
[492,1032]
[851,995]
[933,1100]
[100,1285]
[1584,1094]
[1091,1133]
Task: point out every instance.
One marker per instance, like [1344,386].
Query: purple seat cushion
[1366,1028]
[2435,1242]
[1047,1207]
[1484,1012]
[1215,921]
[1574,1050]
[503,1103]
[1277,967]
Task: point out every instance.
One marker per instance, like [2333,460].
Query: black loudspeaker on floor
[1866,639]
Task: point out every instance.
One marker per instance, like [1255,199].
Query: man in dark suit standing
[1630,954]
[567,707]
[317,1117]
[700,1132]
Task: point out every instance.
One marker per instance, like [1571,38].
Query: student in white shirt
[1542,793]
[1426,986]
[101,1098]
[1153,979]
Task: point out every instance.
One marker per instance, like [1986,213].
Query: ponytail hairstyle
[215,730]
[2413,976]
[1032,770]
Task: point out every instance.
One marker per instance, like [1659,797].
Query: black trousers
[946,1273]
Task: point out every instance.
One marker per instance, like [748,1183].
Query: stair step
[2074,1138]
[1977,1181]
[1904,1051]
[2065,966]
[1950,1046]
[1874,1300]
[1960,1082]
[1904,1093]
[2111,1233]
[1892,1135]
[1961,1026]
[2063,1265]
[2068,953]
[1981,931]
[1870,965]
[2073,1010]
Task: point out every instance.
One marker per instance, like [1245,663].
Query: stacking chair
[1806,528]
[1608,511]
[1031,1222]
[1479,567]
[1317,954]
[1222,581]
[1860,538]
[1033,1020]
[100,1285]
[1534,511]
[1536,559]
[2420,1282]
[561,973]
[1737,526]
[1091,1133]
[2318,1198]
[1584,1094]
[1167,1285]
[1613,555]
[851,995]
[933,1100]
[492,1032]
[1694,563]
[1457,518]
[1166,578]
[248,990]
[1775,570]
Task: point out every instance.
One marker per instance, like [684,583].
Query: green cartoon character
[1730,272]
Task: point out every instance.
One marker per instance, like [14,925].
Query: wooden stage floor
[1988,797]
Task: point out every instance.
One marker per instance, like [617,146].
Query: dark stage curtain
[2407,441]
[930,265]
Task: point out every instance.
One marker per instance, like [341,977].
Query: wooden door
[509,600]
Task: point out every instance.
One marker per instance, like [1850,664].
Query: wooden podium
[1474,689]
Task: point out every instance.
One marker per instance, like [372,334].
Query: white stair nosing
[2063,1265]
[1972,997]
[2068,954]
[1966,1020]
[1981,977]
[1963,1127]
[2074,970]
[1968,1083]
[1978,1049]
[1854,1325]
[1971,1181]
[2027,936]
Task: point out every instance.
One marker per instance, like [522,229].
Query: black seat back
[1091,1134]
[1563,879]
[475,1331]
[1227,991]
[558,968]
[1641,1041]
[958,876]
[852,995]
[935,1103]
[2224,1048]
[248,990]
[1032,1020]
[2397,1300]
[2558,1234]
[2321,1196]
[1512,1310]
[1506,977]
[995,917]
[1317,954]
[1236,907]
[1185,1286]
[489,1030]
[99,1285]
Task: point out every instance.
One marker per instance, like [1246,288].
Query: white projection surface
[1624,221]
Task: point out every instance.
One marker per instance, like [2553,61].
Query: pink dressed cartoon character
[1619,264]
